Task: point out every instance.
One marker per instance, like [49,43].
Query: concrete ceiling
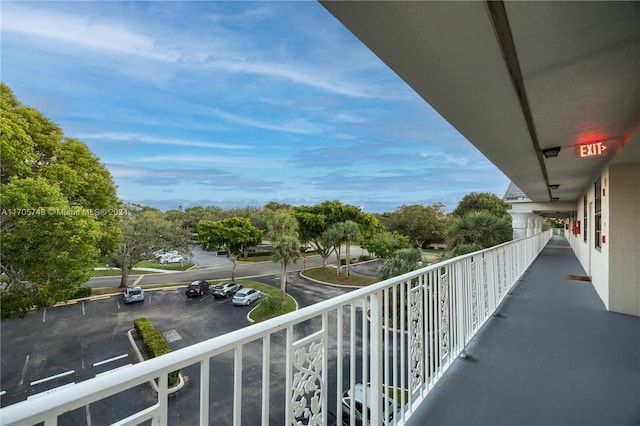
[518,77]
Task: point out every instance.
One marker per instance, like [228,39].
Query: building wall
[599,268]
[624,238]
[614,268]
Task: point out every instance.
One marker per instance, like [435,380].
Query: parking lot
[60,346]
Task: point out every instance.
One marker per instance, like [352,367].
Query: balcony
[538,356]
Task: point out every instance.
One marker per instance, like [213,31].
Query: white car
[246,296]
[171,258]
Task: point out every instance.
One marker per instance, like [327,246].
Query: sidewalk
[553,356]
[162,271]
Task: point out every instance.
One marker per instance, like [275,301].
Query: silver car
[246,296]
[225,289]
[354,400]
[133,294]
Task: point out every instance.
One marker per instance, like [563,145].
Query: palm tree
[481,228]
[405,260]
[351,234]
[286,251]
[282,231]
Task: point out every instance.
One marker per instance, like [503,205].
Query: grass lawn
[116,272]
[329,276]
[144,264]
[253,259]
[166,267]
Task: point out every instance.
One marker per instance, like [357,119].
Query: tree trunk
[348,258]
[338,252]
[233,271]
[283,280]
[125,277]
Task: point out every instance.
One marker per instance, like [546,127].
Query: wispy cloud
[212,178]
[150,139]
[200,160]
[77,30]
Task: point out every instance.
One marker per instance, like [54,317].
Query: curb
[152,382]
[329,284]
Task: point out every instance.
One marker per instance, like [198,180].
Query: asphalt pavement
[59,346]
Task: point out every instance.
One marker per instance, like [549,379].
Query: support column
[519,223]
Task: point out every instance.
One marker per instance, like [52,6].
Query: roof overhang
[516,78]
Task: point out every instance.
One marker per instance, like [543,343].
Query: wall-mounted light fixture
[555,199]
[554,186]
[551,152]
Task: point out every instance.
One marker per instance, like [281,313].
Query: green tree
[384,244]
[422,224]
[237,234]
[333,237]
[60,209]
[486,201]
[352,234]
[315,220]
[282,231]
[193,216]
[481,228]
[404,261]
[275,207]
[145,231]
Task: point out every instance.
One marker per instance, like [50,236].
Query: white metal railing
[400,334]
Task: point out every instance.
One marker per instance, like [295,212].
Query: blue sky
[235,104]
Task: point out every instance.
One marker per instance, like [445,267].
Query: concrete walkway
[156,270]
[554,356]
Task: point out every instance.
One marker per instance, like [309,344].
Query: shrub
[82,292]
[260,253]
[271,304]
[154,344]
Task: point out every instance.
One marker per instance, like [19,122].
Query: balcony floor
[554,355]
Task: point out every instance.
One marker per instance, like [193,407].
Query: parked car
[133,294]
[353,399]
[171,258]
[226,289]
[246,296]
[197,288]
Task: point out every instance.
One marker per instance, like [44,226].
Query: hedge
[82,292]
[154,344]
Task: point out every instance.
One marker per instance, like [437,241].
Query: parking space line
[95,364]
[57,376]
[114,370]
[24,370]
[37,395]
[83,308]
[44,315]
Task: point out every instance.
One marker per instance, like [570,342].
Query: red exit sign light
[591,149]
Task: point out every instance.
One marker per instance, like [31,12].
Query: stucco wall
[624,238]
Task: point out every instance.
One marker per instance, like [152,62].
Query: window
[584,218]
[597,218]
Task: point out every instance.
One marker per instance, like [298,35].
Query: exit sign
[591,149]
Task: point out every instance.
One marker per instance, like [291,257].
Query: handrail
[444,299]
